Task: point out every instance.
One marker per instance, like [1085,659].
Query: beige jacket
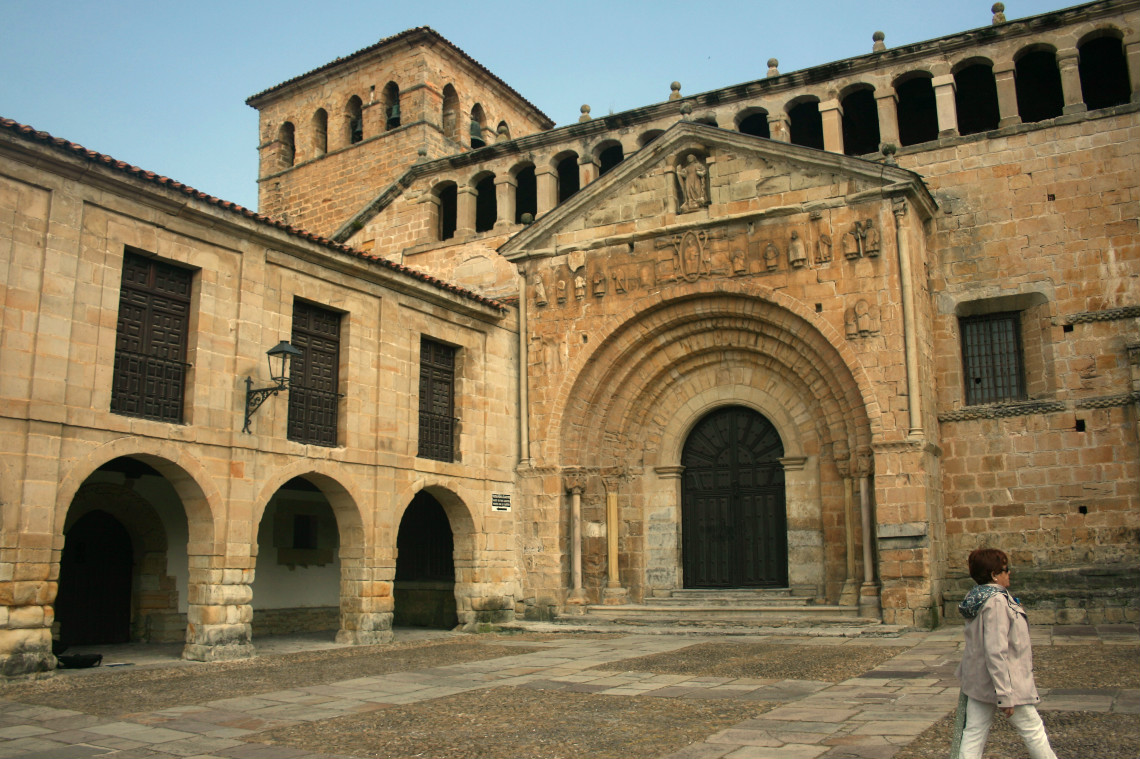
[997,664]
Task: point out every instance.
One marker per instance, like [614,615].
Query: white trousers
[1025,720]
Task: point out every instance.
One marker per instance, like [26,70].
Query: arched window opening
[424,588]
[502,132]
[755,124]
[448,199]
[568,181]
[806,124]
[288,150]
[526,193]
[649,137]
[1104,73]
[320,131]
[450,113]
[609,158]
[975,99]
[476,131]
[391,106]
[354,118]
[917,111]
[860,122]
[486,205]
[1039,95]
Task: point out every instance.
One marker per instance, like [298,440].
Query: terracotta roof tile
[29,133]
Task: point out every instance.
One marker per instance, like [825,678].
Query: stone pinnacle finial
[999,13]
[888,149]
[879,45]
[675,94]
[686,110]
[773,69]
[585,114]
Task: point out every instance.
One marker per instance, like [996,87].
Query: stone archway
[733,518]
[424,591]
[93,602]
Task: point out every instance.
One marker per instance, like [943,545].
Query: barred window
[437,401]
[150,345]
[992,360]
[313,381]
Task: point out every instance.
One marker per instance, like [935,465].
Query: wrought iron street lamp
[280,357]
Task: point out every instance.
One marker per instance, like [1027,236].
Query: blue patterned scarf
[976,599]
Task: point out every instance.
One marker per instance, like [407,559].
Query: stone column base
[364,637]
[849,596]
[615,596]
[870,605]
[221,652]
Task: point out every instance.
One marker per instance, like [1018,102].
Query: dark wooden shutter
[437,401]
[150,346]
[313,383]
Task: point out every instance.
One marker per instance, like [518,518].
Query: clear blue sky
[162,84]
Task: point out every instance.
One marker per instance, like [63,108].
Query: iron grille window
[437,401]
[150,344]
[313,379]
[992,358]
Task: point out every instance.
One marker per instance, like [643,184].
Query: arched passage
[733,520]
[425,566]
[93,603]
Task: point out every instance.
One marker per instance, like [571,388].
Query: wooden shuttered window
[437,401]
[150,370]
[992,358]
[314,376]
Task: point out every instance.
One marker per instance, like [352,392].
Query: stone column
[1132,57]
[587,171]
[28,582]
[366,602]
[577,594]
[831,114]
[1006,84]
[613,593]
[220,611]
[910,324]
[886,103]
[505,189]
[546,188]
[779,127]
[432,231]
[947,108]
[465,211]
[1071,81]
[849,596]
[870,604]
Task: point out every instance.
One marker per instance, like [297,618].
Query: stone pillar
[910,322]
[28,582]
[887,104]
[432,230]
[220,612]
[870,603]
[947,108]
[366,602]
[1132,58]
[1006,83]
[587,171]
[465,211]
[849,596]
[1067,61]
[779,127]
[505,189]
[546,188]
[613,593]
[577,594]
[831,114]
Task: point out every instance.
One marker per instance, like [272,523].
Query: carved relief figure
[860,321]
[796,255]
[579,286]
[739,264]
[771,256]
[539,291]
[863,318]
[823,248]
[620,281]
[599,283]
[851,243]
[693,189]
[849,328]
[871,243]
[561,291]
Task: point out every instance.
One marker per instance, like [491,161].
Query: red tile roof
[28,133]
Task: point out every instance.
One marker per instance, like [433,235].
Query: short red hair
[987,562]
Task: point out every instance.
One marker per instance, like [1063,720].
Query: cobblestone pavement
[875,714]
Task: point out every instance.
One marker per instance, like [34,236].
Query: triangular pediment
[696,175]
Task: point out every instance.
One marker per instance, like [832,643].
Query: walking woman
[997,665]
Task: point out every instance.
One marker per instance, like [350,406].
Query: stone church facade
[823,332]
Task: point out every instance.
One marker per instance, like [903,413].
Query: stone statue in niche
[852,242]
[621,280]
[692,176]
[561,291]
[771,256]
[871,240]
[579,286]
[739,263]
[539,291]
[850,331]
[823,248]
[860,321]
[796,255]
[600,283]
